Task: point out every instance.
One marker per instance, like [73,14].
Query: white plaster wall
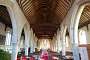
[87,33]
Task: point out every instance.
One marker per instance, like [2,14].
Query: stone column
[58,40]
[63,32]
[14,51]
[54,44]
[26,45]
[74,43]
[73,29]
[14,48]
[32,41]
[51,44]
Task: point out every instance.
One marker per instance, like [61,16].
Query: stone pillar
[58,40]
[55,42]
[26,46]
[34,41]
[74,43]
[53,45]
[31,41]
[63,47]
[56,45]
[26,31]
[14,51]
[73,29]
[31,51]
[14,48]
[63,32]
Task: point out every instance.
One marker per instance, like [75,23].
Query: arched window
[82,37]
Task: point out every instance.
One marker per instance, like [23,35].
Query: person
[44,55]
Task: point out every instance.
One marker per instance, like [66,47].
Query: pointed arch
[13,21]
[26,31]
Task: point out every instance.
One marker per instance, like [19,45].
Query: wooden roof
[45,16]
[85,17]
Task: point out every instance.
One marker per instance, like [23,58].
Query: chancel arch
[25,37]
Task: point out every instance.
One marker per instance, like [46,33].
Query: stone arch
[80,6]
[13,21]
[14,26]
[62,38]
[26,31]
[73,27]
[79,12]
[76,20]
